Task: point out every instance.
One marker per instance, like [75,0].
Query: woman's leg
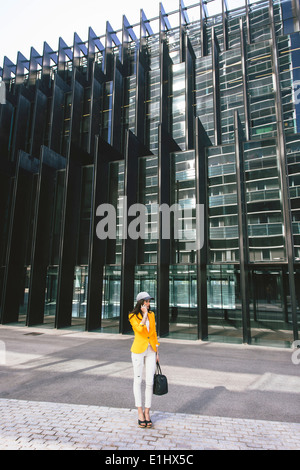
[138,366]
[150,362]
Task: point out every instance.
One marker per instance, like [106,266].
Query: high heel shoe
[148,423]
[142,424]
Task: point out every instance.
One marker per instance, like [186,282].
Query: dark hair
[137,309]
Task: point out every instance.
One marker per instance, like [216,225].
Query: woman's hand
[157,356]
[144,310]
[145,314]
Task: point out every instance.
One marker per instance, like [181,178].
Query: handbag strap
[158,369]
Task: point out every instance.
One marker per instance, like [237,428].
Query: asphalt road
[210,379]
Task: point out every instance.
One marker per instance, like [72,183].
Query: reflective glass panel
[270,307]
[183,302]
[224,303]
[80,291]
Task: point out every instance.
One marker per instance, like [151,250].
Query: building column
[133,150]
[39,118]
[203,28]
[243,235]
[285,199]
[201,141]
[71,212]
[225,24]
[247,7]
[41,237]
[216,87]
[116,136]
[189,94]
[141,70]
[57,113]
[16,248]
[104,154]
[245,85]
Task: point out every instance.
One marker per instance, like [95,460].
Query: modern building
[192,108]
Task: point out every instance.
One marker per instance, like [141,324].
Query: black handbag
[160,385]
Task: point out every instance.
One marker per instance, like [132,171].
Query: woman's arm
[137,325]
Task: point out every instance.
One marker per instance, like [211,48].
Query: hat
[144,296]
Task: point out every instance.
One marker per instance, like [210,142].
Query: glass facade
[264,208]
[223,218]
[196,107]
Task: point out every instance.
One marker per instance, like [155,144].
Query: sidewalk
[62,389]
[55,426]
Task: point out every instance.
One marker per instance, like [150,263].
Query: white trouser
[138,360]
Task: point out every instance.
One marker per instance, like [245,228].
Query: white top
[147,324]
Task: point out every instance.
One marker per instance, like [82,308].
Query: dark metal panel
[8,68]
[38,125]
[247,7]
[69,234]
[64,54]
[129,246]
[15,255]
[127,35]
[50,162]
[94,44]
[189,97]
[201,142]
[165,63]
[96,97]
[145,29]
[21,123]
[225,24]
[216,87]
[166,145]
[133,150]
[245,82]
[117,105]
[22,65]
[77,101]
[203,29]
[57,113]
[104,154]
[296,13]
[48,55]
[110,38]
[6,183]
[70,213]
[141,69]
[163,247]
[35,62]
[243,233]
[7,113]
[164,23]
[164,149]
[78,46]
[183,21]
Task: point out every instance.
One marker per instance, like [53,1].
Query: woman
[144,350]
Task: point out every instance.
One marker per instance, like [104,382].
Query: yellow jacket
[142,337]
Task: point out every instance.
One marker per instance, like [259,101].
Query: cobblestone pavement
[56,426]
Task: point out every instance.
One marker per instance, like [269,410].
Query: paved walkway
[53,426]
